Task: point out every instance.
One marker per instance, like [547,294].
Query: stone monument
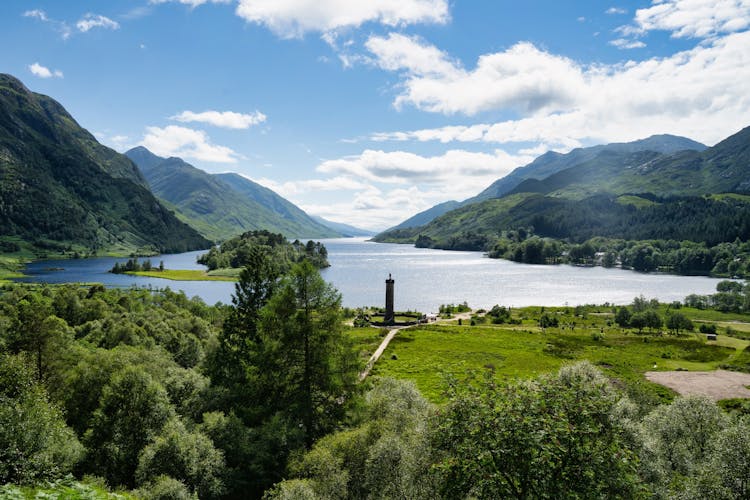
[389,317]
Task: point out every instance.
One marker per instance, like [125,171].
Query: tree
[679,438]
[653,320]
[638,320]
[239,338]
[188,456]
[622,318]
[132,411]
[35,443]
[556,437]
[308,366]
[678,321]
[37,329]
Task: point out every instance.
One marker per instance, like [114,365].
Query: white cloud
[173,140]
[616,10]
[44,72]
[700,93]
[624,43]
[36,13]
[293,188]
[403,167]
[693,18]
[225,119]
[90,21]
[60,26]
[190,3]
[522,78]
[294,18]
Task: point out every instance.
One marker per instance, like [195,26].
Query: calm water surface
[424,278]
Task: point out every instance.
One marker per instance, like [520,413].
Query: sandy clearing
[719,384]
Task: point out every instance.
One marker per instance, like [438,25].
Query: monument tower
[389,317]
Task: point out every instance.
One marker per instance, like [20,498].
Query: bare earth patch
[719,384]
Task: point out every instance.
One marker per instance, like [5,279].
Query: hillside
[61,190]
[345,229]
[614,194]
[551,163]
[224,205]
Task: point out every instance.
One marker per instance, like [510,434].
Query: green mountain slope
[616,194]
[60,188]
[345,229]
[428,215]
[552,162]
[216,208]
[290,212]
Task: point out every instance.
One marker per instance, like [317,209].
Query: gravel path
[719,384]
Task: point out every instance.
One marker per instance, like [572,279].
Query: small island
[225,262]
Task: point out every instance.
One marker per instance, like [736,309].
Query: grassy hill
[60,190]
[222,206]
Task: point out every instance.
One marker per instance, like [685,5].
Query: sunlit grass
[428,354]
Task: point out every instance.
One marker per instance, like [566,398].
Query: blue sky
[369,111]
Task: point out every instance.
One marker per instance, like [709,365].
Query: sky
[369,111]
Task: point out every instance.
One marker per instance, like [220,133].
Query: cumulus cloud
[174,140]
[44,72]
[190,3]
[616,10]
[59,26]
[523,77]
[624,43]
[692,18]
[294,18]
[224,119]
[403,167]
[700,93]
[90,21]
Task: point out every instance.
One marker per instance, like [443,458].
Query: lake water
[424,278]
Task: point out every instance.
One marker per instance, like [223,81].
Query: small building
[711,336]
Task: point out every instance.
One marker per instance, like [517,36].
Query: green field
[428,354]
[185,275]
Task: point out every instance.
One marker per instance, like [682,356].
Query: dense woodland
[236,252]
[166,397]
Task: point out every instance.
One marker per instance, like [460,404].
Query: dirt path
[719,384]
[392,333]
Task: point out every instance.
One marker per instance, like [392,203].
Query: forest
[234,253]
[154,395]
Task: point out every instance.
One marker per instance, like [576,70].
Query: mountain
[279,205]
[428,215]
[345,229]
[617,193]
[60,189]
[552,162]
[224,205]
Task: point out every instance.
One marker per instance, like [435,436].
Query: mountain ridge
[62,189]
[221,206]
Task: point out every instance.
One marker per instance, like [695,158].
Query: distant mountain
[60,188]
[279,205]
[551,162]
[428,215]
[225,205]
[614,192]
[345,229]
